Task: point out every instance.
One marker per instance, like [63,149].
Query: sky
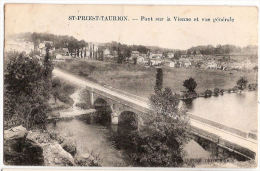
[54,19]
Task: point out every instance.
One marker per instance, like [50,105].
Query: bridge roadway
[225,136]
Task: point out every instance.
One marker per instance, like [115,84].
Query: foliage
[26,92]
[190,84]
[47,72]
[74,46]
[216,91]
[167,132]
[62,91]
[160,142]
[208,93]
[252,87]
[159,80]
[221,49]
[242,83]
[177,54]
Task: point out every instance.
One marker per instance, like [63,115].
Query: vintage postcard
[130,86]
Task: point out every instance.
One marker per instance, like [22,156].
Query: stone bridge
[133,111]
[122,112]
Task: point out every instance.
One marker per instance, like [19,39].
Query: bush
[242,83]
[208,93]
[216,91]
[252,87]
[190,84]
[26,91]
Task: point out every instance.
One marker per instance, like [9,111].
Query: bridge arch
[103,111]
[128,120]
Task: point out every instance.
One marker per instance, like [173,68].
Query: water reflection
[92,138]
[223,109]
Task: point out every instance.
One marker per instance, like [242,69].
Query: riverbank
[43,148]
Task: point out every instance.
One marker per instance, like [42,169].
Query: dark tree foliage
[216,91]
[120,57]
[26,92]
[208,93]
[177,54]
[190,84]
[74,46]
[160,143]
[135,61]
[159,80]
[242,83]
[56,85]
[47,74]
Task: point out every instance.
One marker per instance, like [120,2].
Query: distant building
[172,64]
[42,47]
[106,52]
[184,63]
[212,65]
[155,62]
[155,55]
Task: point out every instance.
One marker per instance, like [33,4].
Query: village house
[156,56]
[156,61]
[60,57]
[42,47]
[65,51]
[212,65]
[171,64]
[106,52]
[183,62]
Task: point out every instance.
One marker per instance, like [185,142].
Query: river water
[97,138]
[236,110]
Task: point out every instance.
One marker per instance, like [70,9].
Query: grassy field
[140,81]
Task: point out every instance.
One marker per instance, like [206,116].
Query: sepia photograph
[89,85]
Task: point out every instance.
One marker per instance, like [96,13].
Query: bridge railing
[223,127]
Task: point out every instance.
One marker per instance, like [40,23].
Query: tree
[135,60]
[242,83]
[159,80]
[56,85]
[26,98]
[177,54]
[216,91]
[208,93]
[161,142]
[48,68]
[190,84]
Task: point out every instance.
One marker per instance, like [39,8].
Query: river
[236,110]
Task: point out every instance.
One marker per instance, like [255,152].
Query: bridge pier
[114,119]
[114,115]
[92,97]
